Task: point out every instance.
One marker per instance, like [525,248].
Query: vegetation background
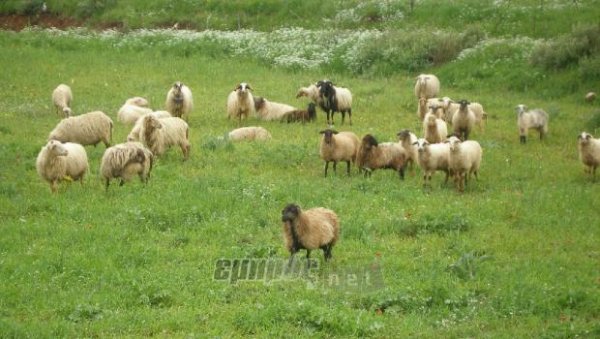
[515,255]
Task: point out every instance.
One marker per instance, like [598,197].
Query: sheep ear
[588,136]
[322,132]
[334,131]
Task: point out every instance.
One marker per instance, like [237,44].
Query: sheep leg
[121,182]
[326,251]
[348,167]
[326,166]
[350,116]
[307,258]
[107,182]
[335,167]
[185,149]
[523,139]
[343,116]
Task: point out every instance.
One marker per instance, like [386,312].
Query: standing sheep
[373,155]
[589,153]
[480,115]
[240,103]
[465,158]
[125,161]
[61,98]
[268,110]
[86,129]
[132,110]
[532,119]
[338,146]
[335,99]
[57,162]
[310,230]
[463,120]
[432,158]
[249,134]
[134,135]
[408,140]
[179,102]
[310,114]
[427,86]
[160,134]
[434,130]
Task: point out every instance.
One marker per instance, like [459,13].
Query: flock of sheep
[154,132]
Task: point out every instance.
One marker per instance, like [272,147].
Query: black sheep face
[290,213]
[328,135]
[369,141]
[463,104]
[327,89]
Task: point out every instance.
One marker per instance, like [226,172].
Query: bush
[568,50]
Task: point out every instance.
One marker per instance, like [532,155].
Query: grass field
[516,255]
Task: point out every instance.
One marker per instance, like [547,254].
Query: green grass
[516,255]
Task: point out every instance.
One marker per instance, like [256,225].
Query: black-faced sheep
[124,161]
[533,119]
[373,155]
[57,162]
[249,134]
[309,114]
[432,158]
[464,160]
[160,134]
[269,110]
[589,153]
[310,230]
[86,129]
[179,102]
[240,103]
[335,99]
[338,146]
[463,120]
[61,98]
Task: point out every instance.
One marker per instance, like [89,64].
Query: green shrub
[567,50]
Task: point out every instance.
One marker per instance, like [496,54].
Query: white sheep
[590,97]
[240,103]
[449,108]
[311,92]
[373,155]
[464,160]
[134,135]
[480,115]
[86,129]
[124,161]
[132,110]
[338,146]
[427,86]
[310,229]
[57,162]
[335,99]
[249,134]
[589,153]
[531,119]
[61,98]
[431,105]
[269,110]
[434,130]
[463,120]
[179,102]
[432,158]
[160,134]
[407,139]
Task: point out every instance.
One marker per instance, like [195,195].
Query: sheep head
[454,143]
[151,123]
[520,108]
[463,104]
[368,142]
[403,135]
[584,138]
[421,145]
[290,213]
[243,88]
[177,87]
[326,89]
[67,111]
[328,135]
[56,147]
[259,102]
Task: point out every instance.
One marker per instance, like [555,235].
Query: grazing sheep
[590,97]
[57,162]
[338,146]
[335,99]
[269,110]
[310,114]
[373,155]
[532,119]
[434,130]
[179,102]
[86,129]
[432,158]
[160,134]
[249,134]
[427,86]
[480,115]
[465,158]
[589,153]
[310,230]
[62,97]
[407,140]
[132,110]
[134,135]
[463,120]
[311,92]
[124,161]
[240,103]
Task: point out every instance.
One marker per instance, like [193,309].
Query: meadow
[515,255]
